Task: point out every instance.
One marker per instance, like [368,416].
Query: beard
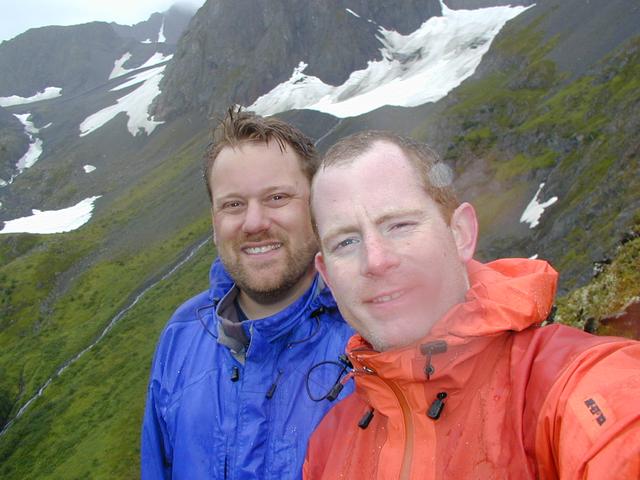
[270,281]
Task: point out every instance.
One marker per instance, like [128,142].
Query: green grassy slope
[62,290]
[87,425]
[607,293]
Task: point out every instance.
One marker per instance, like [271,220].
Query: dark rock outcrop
[78,58]
[75,58]
[235,51]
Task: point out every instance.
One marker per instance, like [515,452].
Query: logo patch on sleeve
[593,407]
[593,414]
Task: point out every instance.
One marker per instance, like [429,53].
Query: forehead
[373,168]
[255,164]
[379,179]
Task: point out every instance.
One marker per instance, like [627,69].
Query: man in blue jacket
[241,373]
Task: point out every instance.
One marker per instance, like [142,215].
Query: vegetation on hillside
[57,293]
[524,122]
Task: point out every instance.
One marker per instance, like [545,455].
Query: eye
[347,242]
[278,199]
[232,205]
[402,226]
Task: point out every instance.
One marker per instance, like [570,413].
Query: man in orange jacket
[454,376]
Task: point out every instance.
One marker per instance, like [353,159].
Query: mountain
[216,59]
[164,27]
[511,96]
[79,57]
[73,63]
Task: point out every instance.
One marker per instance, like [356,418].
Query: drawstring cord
[345,367]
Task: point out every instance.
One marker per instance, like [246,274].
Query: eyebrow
[345,229]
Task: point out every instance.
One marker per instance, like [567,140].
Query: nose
[379,256]
[256,219]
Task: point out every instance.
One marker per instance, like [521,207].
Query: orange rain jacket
[521,401]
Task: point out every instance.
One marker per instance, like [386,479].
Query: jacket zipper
[405,471]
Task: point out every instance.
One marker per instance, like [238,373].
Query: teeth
[263,249]
[387,298]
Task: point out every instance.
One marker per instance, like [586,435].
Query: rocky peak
[239,50]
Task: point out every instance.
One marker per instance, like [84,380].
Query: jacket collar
[316,299]
[505,295]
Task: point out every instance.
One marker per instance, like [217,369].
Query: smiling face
[394,265]
[261,221]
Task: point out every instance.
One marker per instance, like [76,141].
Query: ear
[464,226]
[322,268]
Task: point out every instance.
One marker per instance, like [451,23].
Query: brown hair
[242,126]
[436,176]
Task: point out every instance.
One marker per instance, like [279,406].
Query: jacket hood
[508,294]
[219,281]
[505,295]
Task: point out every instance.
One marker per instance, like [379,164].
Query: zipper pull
[235,374]
[366,419]
[274,385]
[437,406]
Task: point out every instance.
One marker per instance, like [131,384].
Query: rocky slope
[237,51]
[80,57]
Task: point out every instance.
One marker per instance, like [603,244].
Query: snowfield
[135,105]
[53,221]
[46,94]
[119,70]
[35,145]
[415,69]
[161,37]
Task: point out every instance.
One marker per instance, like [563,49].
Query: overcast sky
[20,15]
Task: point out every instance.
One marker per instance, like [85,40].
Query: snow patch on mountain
[35,144]
[119,70]
[46,94]
[138,78]
[155,59]
[161,37]
[418,68]
[135,105]
[53,221]
[31,157]
[352,12]
[535,209]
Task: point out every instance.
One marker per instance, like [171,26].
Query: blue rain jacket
[209,416]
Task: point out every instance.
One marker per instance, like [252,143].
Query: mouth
[261,249]
[386,297]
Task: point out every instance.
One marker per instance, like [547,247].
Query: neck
[254,309]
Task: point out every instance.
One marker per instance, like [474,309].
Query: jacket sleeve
[589,427]
[155,446]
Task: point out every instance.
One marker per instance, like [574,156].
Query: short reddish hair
[435,175]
